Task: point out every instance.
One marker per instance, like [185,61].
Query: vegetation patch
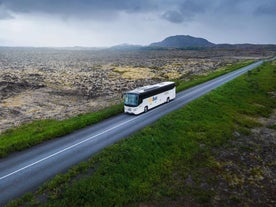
[161,167]
[134,73]
[184,83]
[36,132]
[173,75]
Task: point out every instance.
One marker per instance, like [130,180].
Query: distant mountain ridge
[125,46]
[182,41]
[189,42]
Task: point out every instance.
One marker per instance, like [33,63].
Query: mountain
[126,46]
[188,42]
[182,41]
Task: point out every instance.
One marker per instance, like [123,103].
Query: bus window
[131,99]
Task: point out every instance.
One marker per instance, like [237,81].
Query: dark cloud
[102,21]
[77,8]
[190,7]
[244,7]
[267,7]
[173,16]
[176,11]
[187,10]
[4,13]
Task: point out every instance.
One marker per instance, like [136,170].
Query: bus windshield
[131,99]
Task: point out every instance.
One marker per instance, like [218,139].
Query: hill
[190,42]
[182,41]
[126,46]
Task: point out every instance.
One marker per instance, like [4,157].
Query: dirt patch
[246,168]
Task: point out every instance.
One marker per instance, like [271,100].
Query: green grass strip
[154,164]
[38,131]
[197,79]
[30,134]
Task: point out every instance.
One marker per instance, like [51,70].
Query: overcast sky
[110,22]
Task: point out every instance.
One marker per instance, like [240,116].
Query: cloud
[4,13]
[98,9]
[107,22]
[267,7]
[189,10]
[173,16]
[186,11]
[175,11]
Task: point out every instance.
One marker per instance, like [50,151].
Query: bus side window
[140,100]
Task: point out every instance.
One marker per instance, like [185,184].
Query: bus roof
[150,87]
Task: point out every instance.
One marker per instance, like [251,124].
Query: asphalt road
[25,171]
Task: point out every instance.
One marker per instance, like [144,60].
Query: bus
[145,98]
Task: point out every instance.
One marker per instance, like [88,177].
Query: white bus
[145,98]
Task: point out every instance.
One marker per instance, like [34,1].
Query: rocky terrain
[246,168]
[54,83]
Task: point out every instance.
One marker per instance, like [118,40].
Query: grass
[160,166]
[195,80]
[36,132]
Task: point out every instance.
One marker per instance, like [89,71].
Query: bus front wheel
[168,99]
[146,109]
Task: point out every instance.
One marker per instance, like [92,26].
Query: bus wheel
[146,109]
[168,99]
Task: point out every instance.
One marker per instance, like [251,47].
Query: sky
[104,23]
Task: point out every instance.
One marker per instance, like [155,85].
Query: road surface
[25,171]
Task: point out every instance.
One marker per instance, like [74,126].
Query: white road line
[65,149]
